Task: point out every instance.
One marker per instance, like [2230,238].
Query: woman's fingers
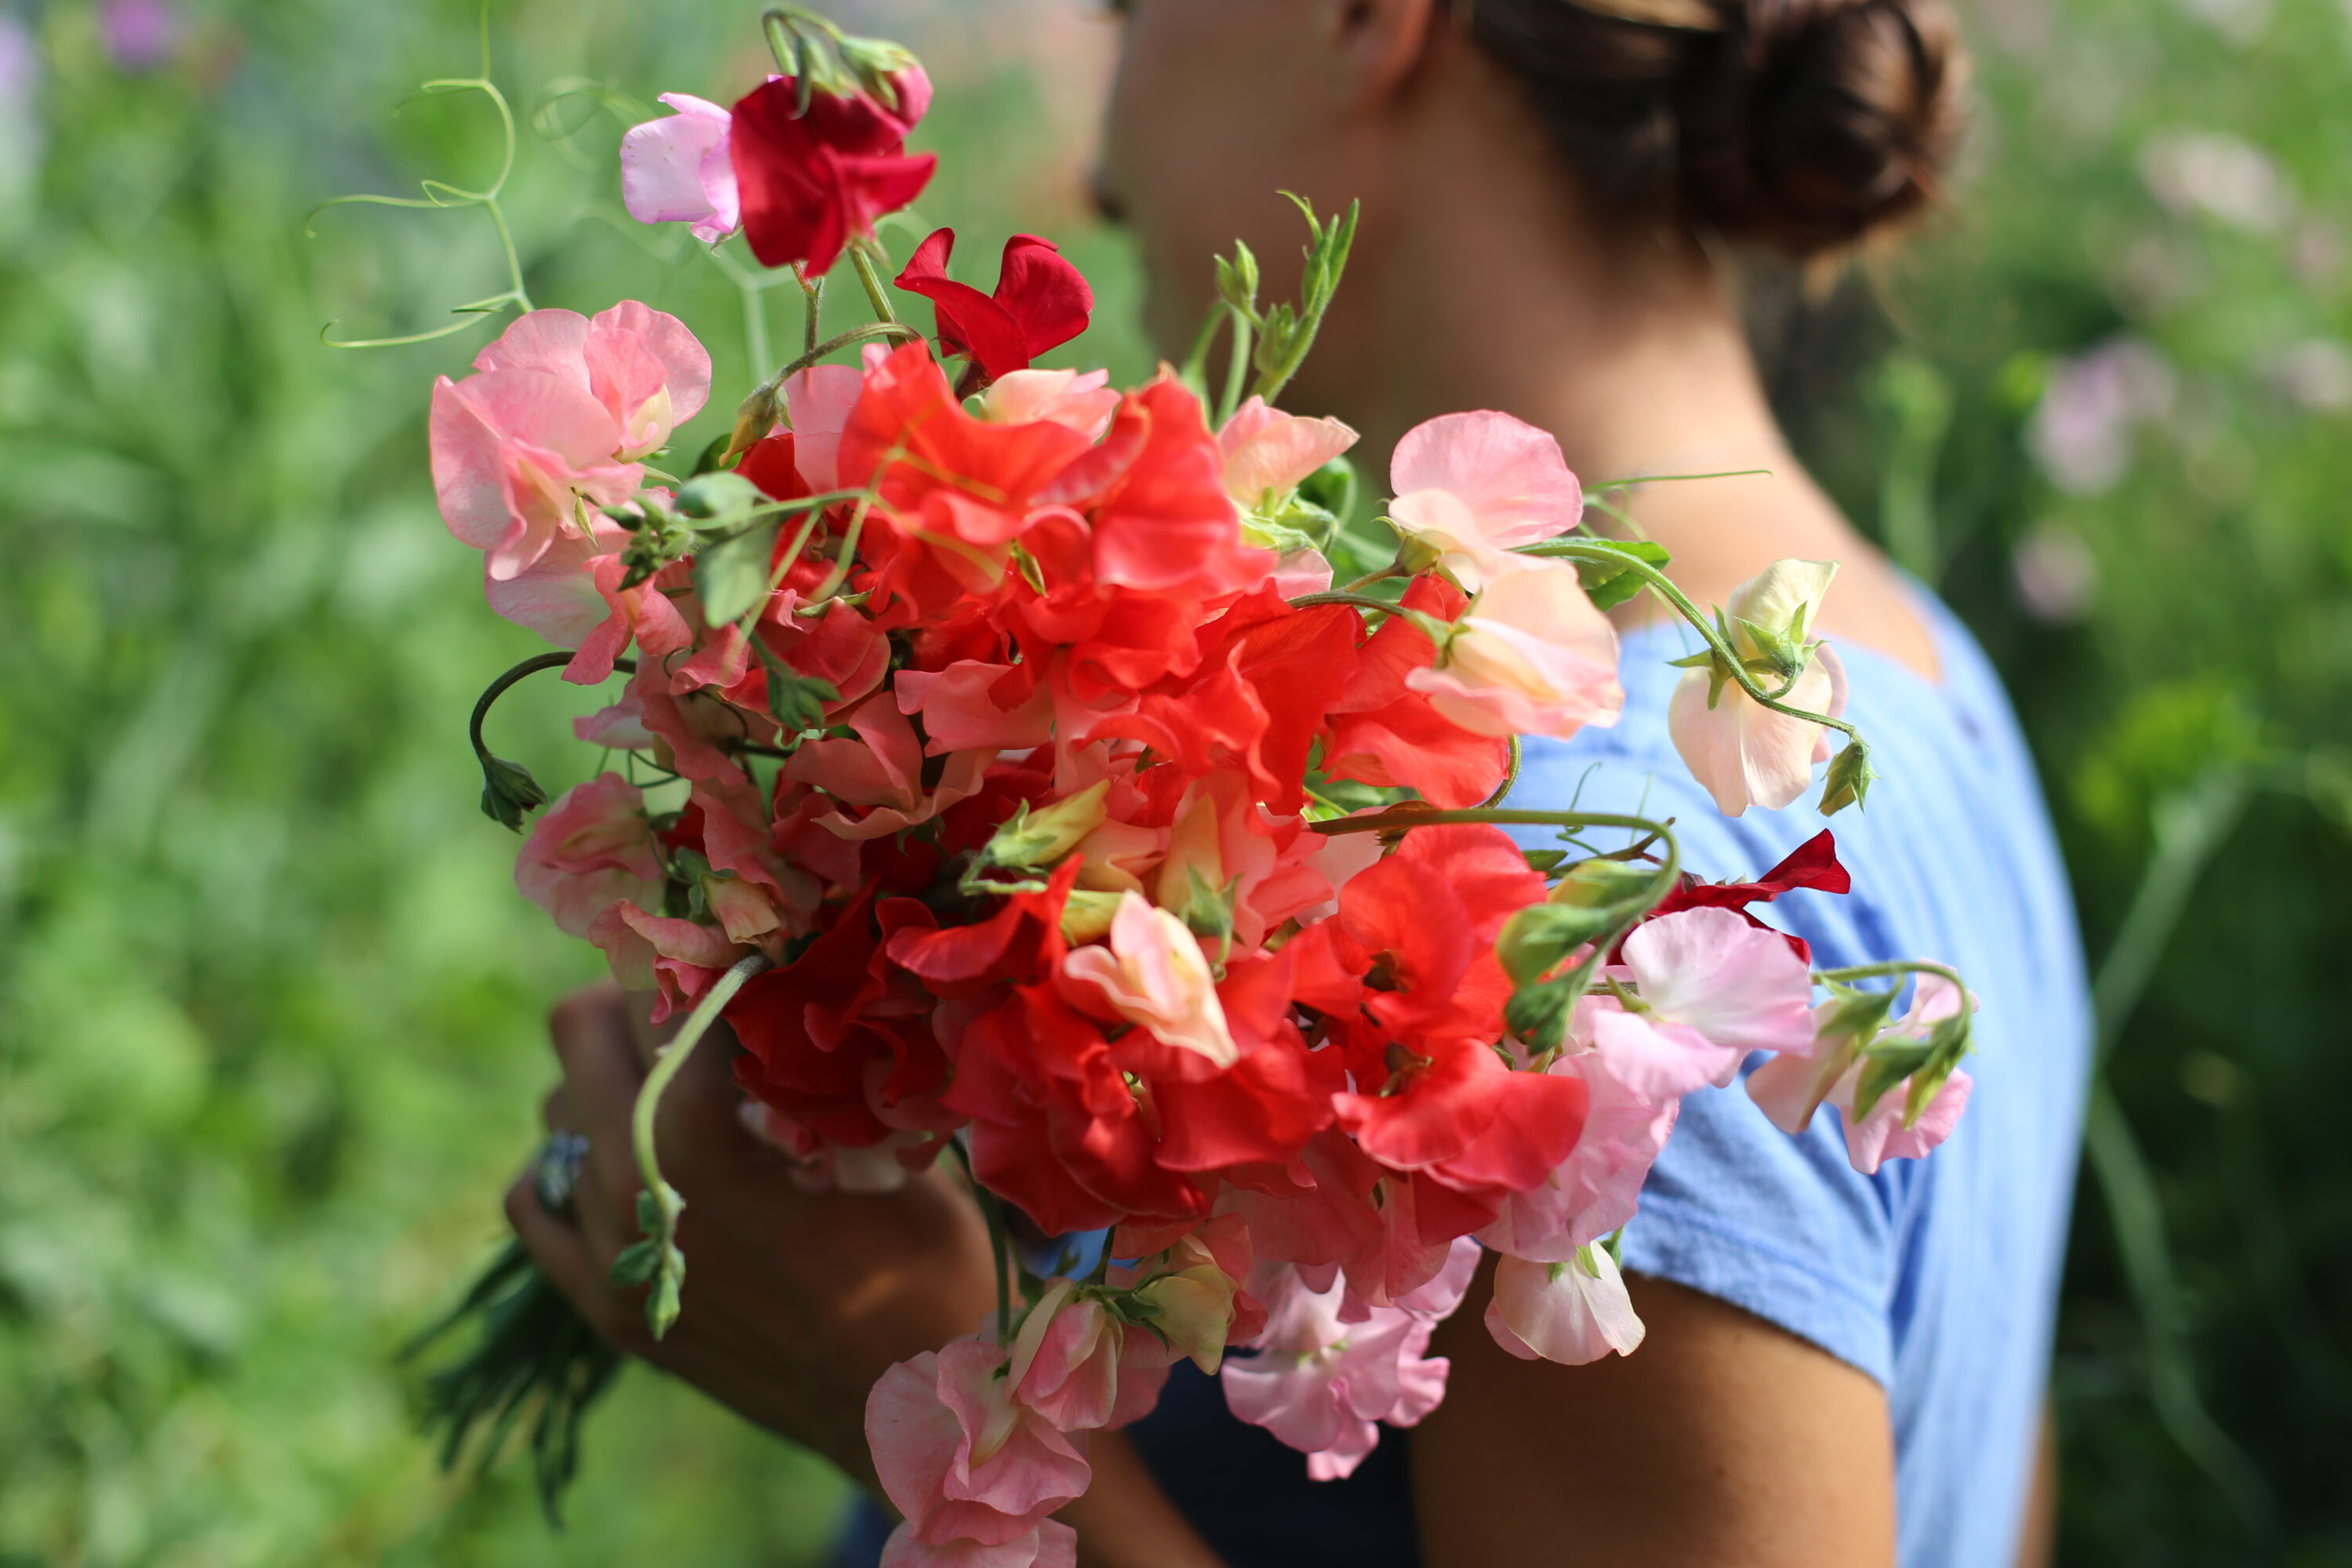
[601,1080]
[563,1255]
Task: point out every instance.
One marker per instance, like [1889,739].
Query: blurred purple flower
[20,121]
[2316,374]
[2054,573]
[2081,432]
[2217,175]
[139,34]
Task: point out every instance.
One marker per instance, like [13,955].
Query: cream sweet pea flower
[1154,974]
[1745,753]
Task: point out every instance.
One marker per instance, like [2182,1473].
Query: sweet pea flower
[679,959]
[1152,973]
[1596,1190]
[592,849]
[680,170]
[1470,486]
[555,416]
[1721,986]
[1571,1312]
[1530,656]
[1791,1087]
[977,1474]
[809,183]
[1321,1379]
[1079,1367]
[1269,453]
[882,770]
[1743,753]
[1082,400]
[1040,303]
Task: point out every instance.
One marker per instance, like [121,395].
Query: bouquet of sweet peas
[1004,768]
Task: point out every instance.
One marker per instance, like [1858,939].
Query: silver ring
[557,1177]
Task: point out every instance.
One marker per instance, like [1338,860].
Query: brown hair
[1801,126]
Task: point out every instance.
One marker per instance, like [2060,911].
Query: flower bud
[1594,899]
[1848,782]
[508,792]
[754,419]
[1087,916]
[1033,840]
[1192,1310]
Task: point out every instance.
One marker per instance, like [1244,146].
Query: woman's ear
[1378,44]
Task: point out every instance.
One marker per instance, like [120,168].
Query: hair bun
[1823,120]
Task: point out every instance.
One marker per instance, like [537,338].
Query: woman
[1840,1369]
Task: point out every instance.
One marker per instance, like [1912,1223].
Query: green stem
[1891,971]
[1360,600]
[1728,658]
[661,1307]
[1510,778]
[832,346]
[1397,819]
[1236,370]
[1677,478]
[875,295]
[512,678]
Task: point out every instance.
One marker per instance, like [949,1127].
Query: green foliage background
[270,1012]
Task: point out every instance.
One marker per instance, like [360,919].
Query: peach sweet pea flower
[1471,487]
[1154,974]
[1083,401]
[1571,1312]
[593,849]
[882,769]
[1269,453]
[1531,656]
[1743,753]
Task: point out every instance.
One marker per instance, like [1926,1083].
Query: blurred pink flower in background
[2314,375]
[20,120]
[2082,433]
[139,34]
[2214,174]
[2054,573]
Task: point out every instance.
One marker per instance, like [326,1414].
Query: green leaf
[1609,584]
[714,454]
[717,495]
[636,1264]
[732,576]
[797,700]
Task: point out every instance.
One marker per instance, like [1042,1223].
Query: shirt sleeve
[1781,1226]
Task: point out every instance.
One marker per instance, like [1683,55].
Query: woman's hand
[795,1303]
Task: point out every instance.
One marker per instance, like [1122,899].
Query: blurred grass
[270,1011]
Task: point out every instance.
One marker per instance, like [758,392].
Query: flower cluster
[1002,766]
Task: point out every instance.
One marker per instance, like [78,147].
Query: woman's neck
[1485,289]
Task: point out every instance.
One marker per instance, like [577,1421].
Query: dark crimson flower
[1814,864]
[1040,303]
[812,182]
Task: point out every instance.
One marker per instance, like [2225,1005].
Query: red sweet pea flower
[1814,864]
[812,182]
[1383,732]
[1040,303]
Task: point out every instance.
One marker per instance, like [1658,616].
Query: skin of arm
[1723,1439]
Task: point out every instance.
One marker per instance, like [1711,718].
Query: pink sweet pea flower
[644,366]
[1323,1375]
[1472,486]
[551,421]
[1743,753]
[1710,987]
[1080,1368]
[1268,453]
[592,849]
[1791,1087]
[678,170]
[1154,974]
[1596,1190]
[968,1466]
[1571,1312]
[1530,656]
